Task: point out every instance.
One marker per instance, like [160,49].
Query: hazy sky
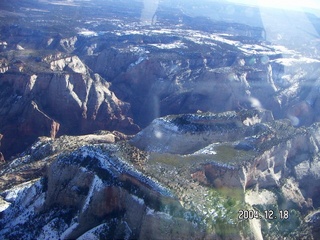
[292,4]
[287,22]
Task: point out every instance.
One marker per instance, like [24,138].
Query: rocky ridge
[64,98]
[105,194]
[270,159]
[131,73]
[181,175]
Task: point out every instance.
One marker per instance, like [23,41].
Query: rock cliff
[89,191]
[64,98]
[266,158]
[112,76]
[97,185]
[119,122]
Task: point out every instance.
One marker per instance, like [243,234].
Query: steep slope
[229,146]
[63,97]
[179,64]
[93,186]
[177,68]
[270,164]
[91,192]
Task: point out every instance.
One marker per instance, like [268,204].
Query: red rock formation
[54,129]
[2,160]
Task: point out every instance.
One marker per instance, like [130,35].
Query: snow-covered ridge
[201,37]
[10,195]
[32,201]
[290,61]
[108,160]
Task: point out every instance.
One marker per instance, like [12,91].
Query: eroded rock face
[92,185]
[265,155]
[176,185]
[32,164]
[92,192]
[185,134]
[158,82]
[171,72]
[68,100]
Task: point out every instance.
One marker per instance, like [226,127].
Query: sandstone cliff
[88,192]
[65,98]
[269,163]
[228,117]
[196,190]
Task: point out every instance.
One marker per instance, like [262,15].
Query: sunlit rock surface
[97,184]
[65,99]
[221,116]
[90,191]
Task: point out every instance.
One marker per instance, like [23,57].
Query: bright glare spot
[264,59]
[255,103]
[279,36]
[290,3]
[158,134]
[232,77]
[251,61]
[294,120]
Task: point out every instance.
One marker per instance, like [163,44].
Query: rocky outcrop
[68,44]
[92,185]
[264,151]
[313,222]
[19,132]
[91,192]
[68,100]
[183,176]
[185,134]
[2,160]
[32,164]
[267,155]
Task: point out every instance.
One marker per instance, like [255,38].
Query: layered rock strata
[65,99]
[260,164]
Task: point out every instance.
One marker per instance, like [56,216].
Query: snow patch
[19,47]
[96,185]
[66,233]
[87,33]
[173,45]
[208,150]
[3,205]
[291,61]
[139,200]
[17,162]
[11,194]
[150,211]
[93,234]
[89,235]
[49,232]
[165,124]
[140,60]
